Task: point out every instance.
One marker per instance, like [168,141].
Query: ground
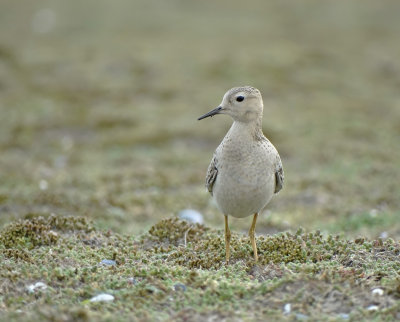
[100,149]
[177,271]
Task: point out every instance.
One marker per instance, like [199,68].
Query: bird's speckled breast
[246,175]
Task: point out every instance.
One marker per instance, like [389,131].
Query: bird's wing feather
[212,173]
[279,176]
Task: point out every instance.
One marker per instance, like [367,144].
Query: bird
[246,170]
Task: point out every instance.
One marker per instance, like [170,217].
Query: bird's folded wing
[279,176]
[212,173]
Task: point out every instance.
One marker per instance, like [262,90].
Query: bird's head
[243,104]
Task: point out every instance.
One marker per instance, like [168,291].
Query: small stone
[43,184]
[287,308]
[37,286]
[373,213]
[213,284]
[132,280]
[301,317]
[192,216]
[108,262]
[53,233]
[103,297]
[180,287]
[384,235]
[373,308]
[377,292]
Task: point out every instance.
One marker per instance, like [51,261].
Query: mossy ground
[98,108]
[177,271]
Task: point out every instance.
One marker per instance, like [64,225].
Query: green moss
[40,231]
[17,254]
[28,234]
[174,231]
[209,251]
[305,269]
[205,249]
[281,249]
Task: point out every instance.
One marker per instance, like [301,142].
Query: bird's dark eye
[240,98]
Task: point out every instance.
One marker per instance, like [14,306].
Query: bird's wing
[212,173]
[279,176]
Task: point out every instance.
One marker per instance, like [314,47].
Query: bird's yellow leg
[252,236]
[227,240]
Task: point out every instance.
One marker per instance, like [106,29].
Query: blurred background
[99,101]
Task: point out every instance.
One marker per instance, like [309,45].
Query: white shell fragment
[287,308]
[37,286]
[377,291]
[103,297]
[373,308]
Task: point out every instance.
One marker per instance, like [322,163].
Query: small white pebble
[108,262]
[132,280]
[192,216]
[377,291]
[373,308]
[53,233]
[373,213]
[287,308]
[33,287]
[43,184]
[103,297]
[384,235]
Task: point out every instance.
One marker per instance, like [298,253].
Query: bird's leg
[227,240]
[252,236]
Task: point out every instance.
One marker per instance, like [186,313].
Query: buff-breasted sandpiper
[246,169]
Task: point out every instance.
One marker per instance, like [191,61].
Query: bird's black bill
[215,111]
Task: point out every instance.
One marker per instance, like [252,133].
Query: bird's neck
[253,129]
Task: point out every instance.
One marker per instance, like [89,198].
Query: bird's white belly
[243,195]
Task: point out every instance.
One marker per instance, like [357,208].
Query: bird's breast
[245,181]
